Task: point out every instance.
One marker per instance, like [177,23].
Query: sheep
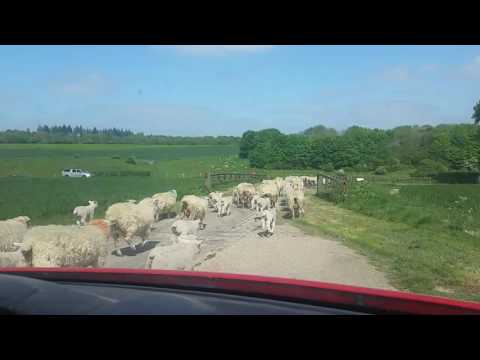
[268,218]
[253,202]
[183,228]
[165,202]
[213,199]
[279,182]
[263,203]
[193,208]
[269,190]
[67,245]
[12,231]
[12,259]
[295,200]
[84,212]
[360,179]
[245,192]
[129,220]
[179,256]
[225,205]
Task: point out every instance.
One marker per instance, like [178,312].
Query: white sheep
[67,245]
[165,202]
[12,259]
[129,220]
[84,212]
[263,203]
[295,200]
[244,194]
[268,218]
[182,228]
[12,231]
[193,208]
[269,190]
[253,202]
[178,256]
[213,199]
[225,205]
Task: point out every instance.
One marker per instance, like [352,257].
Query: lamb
[12,231]
[253,202]
[183,228]
[279,182]
[67,245]
[165,202]
[263,203]
[129,220]
[84,212]
[269,218]
[193,208]
[213,199]
[225,205]
[179,256]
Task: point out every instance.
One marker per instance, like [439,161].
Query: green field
[426,238]
[31,183]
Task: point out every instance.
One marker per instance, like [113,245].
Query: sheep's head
[92,203]
[22,219]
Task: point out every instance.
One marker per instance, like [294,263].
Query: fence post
[208,180]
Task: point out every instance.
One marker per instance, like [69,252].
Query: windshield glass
[355,165]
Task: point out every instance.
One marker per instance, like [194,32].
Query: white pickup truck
[76,173]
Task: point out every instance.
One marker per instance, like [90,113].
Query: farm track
[234,244]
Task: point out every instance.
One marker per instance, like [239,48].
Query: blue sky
[225,90]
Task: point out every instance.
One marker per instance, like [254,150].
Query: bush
[381,170]
[131,160]
[76,156]
[116,157]
[429,167]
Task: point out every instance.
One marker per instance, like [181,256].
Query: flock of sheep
[88,243]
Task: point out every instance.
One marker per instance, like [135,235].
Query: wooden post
[208,181]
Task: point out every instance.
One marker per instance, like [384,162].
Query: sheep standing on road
[225,205]
[85,212]
[269,190]
[268,218]
[12,231]
[244,194]
[67,245]
[295,201]
[129,220]
[183,228]
[193,208]
[165,203]
[263,203]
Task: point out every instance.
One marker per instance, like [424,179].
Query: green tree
[476,113]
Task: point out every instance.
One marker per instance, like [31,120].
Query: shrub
[131,160]
[116,157]
[381,170]
[76,156]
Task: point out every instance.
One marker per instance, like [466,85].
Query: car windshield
[352,165]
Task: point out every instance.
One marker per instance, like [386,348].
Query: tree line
[426,149]
[66,134]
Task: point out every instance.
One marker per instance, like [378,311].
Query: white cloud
[216,49]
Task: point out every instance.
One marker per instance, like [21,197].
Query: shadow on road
[128,251]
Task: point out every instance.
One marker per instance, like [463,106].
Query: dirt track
[232,244]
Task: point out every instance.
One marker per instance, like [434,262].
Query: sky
[227,89]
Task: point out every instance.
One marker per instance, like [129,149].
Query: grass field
[38,190]
[426,239]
